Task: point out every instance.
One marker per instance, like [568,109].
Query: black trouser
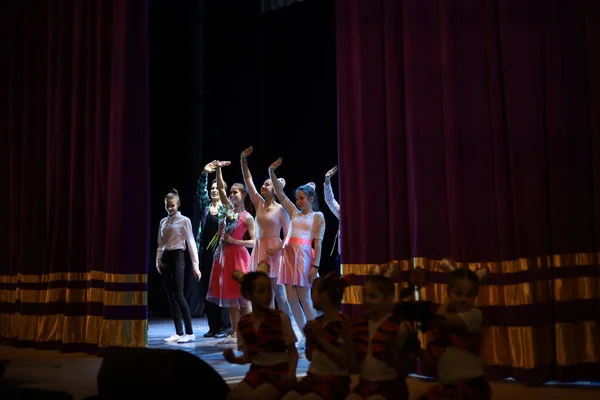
[173,273]
[216,316]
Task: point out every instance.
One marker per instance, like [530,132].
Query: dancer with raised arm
[335,209]
[271,220]
[302,248]
[217,318]
[230,251]
[174,236]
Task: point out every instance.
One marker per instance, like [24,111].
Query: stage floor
[207,349]
[76,373]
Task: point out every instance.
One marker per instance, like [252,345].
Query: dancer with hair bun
[302,247]
[271,220]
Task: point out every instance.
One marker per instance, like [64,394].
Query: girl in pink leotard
[271,220]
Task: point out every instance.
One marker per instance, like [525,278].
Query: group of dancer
[286,235]
[282,266]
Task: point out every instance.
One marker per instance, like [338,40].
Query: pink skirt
[297,262]
[261,245]
[222,288]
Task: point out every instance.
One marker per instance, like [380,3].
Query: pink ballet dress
[222,288]
[298,253]
[268,228]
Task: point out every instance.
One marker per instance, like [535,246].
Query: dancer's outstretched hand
[276,164]
[329,174]
[210,167]
[247,152]
[222,164]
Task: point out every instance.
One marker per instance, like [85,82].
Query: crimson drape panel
[471,129]
[76,160]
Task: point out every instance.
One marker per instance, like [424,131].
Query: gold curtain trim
[353,294]
[507,295]
[75,276]
[520,264]
[91,295]
[363,269]
[567,289]
[8,278]
[8,296]
[75,329]
[530,347]
[124,333]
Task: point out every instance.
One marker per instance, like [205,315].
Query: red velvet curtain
[74,227]
[471,129]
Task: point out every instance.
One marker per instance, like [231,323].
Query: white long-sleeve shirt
[335,209]
[175,233]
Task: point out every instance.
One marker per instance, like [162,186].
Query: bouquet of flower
[228,220]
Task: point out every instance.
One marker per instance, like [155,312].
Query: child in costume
[455,342]
[375,344]
[328,377]
[266,339]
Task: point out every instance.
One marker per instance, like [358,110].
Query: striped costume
[374,354]
[324,377]
[269,339]
[475,388]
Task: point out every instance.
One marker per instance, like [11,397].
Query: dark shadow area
[224,76]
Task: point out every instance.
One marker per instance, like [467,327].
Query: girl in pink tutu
[231,253]
[271,220]
[302,248]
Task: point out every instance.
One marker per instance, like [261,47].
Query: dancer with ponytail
[230,252]
[174,236]
[271,220]
[302,249]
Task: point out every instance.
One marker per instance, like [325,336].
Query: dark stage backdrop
[224,76]
[74,172]
[176,100]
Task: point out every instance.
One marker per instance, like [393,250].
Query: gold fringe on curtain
[69,308]
[541,341]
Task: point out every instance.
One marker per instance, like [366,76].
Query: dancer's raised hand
[221,164]
[276,164]
[210,167]
[329,174]
[247,152]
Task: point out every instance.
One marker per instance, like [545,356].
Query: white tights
[301,305]
[281,297]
